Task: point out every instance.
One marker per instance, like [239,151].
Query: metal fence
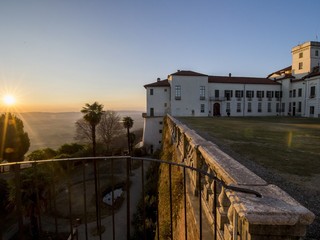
[46,196]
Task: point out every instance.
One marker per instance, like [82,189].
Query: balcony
[213,194]
[57,198]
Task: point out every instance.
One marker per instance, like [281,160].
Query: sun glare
[9,100]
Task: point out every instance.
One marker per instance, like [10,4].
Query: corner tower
[305,57]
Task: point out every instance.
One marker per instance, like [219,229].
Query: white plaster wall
[151,132]
[313,101]
[190,95]
[159,101]
[309,58]
[243,101]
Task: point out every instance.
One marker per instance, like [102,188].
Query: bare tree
[83,131]
[109,128]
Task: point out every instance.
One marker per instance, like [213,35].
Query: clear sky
[57,55]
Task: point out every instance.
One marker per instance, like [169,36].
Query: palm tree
[128,123]
[92,115]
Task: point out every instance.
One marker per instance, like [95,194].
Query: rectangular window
[177,92]
[239,93]
[151,91]
[299,106]
[259,107]
[300,65]
[160,131]
[238,107]
[216,93]
[249,107]
[160,122]
[228,107]
[317,53]
[301,55]
[311,110]
[165,89]
[249,94]
[269,94]
[151,112]
[290,93]
[260,94]
[277,94]
[228,94]
[269,107]
[165,104]
[294,93]
[202,108]
[312,91]
[289,107]
[202,92]
[300,92]
[283,107]
[277,107]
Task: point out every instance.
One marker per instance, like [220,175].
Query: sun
[9,100]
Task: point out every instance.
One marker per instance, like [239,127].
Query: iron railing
[70,181]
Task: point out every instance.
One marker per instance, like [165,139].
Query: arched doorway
[216,109]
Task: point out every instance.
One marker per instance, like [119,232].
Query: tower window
[301,55]
[151,91]
[202,92]
[300,65]
[178,92]
[317,53]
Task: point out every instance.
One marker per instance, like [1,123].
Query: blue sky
[59,55]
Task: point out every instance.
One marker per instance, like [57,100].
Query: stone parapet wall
[237,215]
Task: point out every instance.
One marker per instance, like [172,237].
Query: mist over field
[46,129]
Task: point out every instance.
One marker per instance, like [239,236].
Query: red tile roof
[241,80]
[161,83]
[187,73]
[279,72]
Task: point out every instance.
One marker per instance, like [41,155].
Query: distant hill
[48,129]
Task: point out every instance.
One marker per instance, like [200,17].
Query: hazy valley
[54,129]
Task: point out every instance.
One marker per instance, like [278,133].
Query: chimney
[229,74]
[158,79]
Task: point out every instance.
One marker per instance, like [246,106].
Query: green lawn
[288,145]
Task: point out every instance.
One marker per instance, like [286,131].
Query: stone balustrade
[237,215]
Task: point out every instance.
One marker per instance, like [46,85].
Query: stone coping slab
[275,207]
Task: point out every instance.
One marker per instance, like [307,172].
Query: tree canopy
[108,129]
[92,115]
[14,140]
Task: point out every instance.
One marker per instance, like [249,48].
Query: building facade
[292,91]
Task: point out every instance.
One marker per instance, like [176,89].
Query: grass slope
[287,145]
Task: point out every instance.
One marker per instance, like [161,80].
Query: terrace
[202,193]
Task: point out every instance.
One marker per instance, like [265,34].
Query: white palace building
[292,91]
